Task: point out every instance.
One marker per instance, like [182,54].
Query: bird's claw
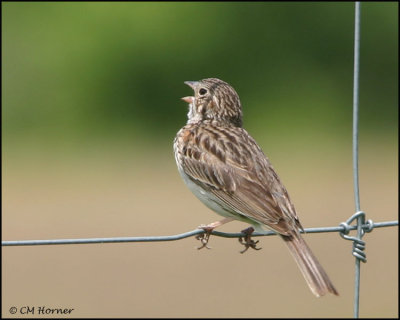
[247,241]
[204,237]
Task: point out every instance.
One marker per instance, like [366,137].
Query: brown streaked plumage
[226,169]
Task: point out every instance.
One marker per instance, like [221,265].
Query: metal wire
[358,244]
[342,228]
[360,217]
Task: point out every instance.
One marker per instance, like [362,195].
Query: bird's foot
[247,241]
[204,237]
[208,228]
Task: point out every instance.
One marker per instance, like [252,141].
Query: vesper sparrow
[227,170]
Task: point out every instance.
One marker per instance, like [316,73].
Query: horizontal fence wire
[341,228]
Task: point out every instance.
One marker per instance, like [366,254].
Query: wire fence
[357,242]
[362,226]
[344,229]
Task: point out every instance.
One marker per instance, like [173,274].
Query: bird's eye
[202,91]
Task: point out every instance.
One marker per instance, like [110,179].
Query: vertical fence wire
[360,219]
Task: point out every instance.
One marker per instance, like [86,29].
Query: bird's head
[214,99]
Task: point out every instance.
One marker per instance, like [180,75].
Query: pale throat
[193,115]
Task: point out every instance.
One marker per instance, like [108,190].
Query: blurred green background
[91,104]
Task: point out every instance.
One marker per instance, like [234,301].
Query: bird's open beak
[191,84]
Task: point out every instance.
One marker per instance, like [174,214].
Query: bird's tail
[315,275]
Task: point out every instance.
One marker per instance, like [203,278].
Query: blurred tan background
[90,109]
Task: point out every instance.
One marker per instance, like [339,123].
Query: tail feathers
[314,274]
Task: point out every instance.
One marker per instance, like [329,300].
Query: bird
[224,167]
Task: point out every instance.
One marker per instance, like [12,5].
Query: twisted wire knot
[358,244]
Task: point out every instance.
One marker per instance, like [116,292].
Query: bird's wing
[228,163]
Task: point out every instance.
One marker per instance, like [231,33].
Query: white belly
[213,203]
